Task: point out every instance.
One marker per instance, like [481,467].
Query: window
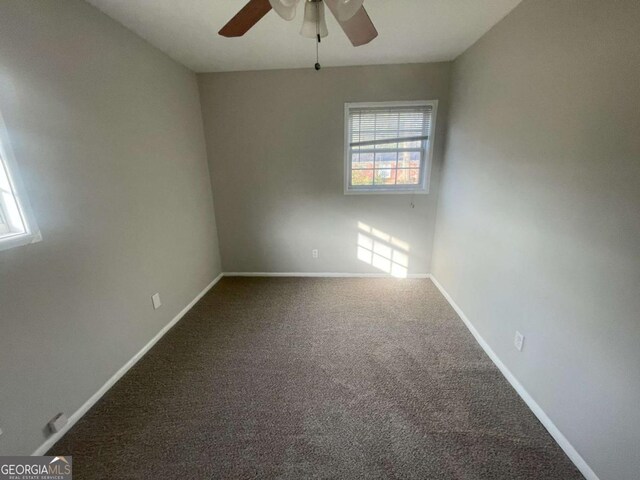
[388,146]
[17,226]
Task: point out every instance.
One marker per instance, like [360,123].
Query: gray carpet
[315,378]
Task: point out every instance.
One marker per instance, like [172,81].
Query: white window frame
[427,152]
[8,164]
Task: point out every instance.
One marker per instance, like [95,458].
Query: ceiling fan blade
[359,28]
[246,18]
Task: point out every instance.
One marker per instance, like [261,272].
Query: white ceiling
[411,31]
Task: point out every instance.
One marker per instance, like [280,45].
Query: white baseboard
[320,274]
[571,452]
[77,415]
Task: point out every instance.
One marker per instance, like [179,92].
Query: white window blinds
[389,127]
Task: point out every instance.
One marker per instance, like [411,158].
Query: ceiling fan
[351,15]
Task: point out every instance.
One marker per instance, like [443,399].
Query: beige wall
[108,135]
[538,223]
[275,142]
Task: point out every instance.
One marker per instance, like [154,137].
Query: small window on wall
[388,146]
[17,225]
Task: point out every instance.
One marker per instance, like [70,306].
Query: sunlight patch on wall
[383,251]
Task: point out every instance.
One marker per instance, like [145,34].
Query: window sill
[19,240]
[386,192]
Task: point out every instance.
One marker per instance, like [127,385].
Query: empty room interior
[320,239]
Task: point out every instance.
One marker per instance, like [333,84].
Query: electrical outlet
[519,341]
[314,253]
[155,298]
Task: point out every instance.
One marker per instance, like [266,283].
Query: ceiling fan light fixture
[285,8]
[314,20]
[345,9]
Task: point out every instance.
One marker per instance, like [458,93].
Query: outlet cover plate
[155,298]
[518,341]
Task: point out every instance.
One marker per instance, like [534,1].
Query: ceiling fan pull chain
[318,38]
